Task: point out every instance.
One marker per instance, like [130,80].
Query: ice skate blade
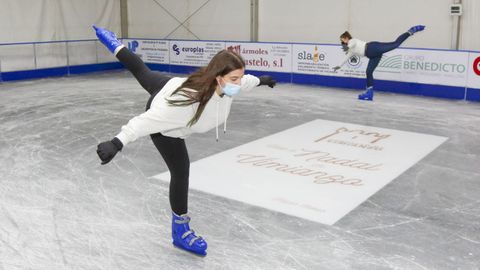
[190,251]
[365,98]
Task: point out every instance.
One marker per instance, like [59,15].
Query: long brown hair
[200,85]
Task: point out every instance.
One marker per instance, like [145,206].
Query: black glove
[107,150]
[267,80]
[345,47]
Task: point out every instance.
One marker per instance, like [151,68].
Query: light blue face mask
[231,89]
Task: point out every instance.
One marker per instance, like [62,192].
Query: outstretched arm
[250,81]
[267,80]
[156,119]
[349,54]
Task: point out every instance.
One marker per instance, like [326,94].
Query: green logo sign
[392,62]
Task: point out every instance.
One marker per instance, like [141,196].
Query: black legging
[375,51]
[173,150]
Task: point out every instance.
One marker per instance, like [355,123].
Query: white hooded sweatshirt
[355,47]
[172,121]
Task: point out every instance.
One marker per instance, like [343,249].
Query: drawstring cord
[216,126]
[225,122]
[225,119]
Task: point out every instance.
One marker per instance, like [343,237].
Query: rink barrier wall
[473,94]
[415,71]
[419,89]
[33,60]
[58,72]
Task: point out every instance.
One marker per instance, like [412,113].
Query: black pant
[375,51]
[173,150]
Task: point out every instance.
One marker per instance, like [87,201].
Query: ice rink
[60,209]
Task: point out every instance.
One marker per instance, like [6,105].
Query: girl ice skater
[177,108]
[373,51]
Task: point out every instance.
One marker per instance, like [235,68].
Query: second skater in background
[373,51]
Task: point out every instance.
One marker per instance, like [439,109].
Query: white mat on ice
[319,171]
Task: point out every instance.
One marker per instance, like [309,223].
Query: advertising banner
[193,53]
[474,71]
[315,59]
[424,66]
[150,51]
[403,65]
[276,57]
[433,67]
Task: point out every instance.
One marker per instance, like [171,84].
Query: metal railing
[49,54]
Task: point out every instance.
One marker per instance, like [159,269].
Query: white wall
[302,20]
[279,20]
[470,23]
[381,20]
[49,20]
[217,20]
[306,20]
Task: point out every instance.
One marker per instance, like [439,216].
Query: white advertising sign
[318,59]
[319,171]
[193,53]
[275,57]
[424,66]
[150,51]
[406,65]
[442,67]
[474,71]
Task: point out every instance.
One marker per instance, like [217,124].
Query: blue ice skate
[108,38]
[416,28]
[185,238]
[367,95]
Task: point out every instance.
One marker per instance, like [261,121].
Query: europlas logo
[189,50]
